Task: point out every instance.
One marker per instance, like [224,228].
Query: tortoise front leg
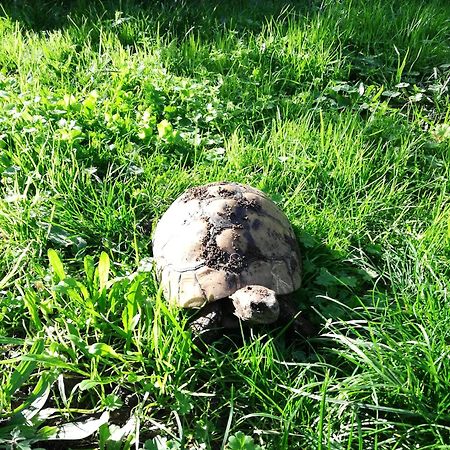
[206,322]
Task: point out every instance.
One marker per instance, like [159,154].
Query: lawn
[338,110]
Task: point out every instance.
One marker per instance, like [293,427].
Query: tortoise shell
[218,238]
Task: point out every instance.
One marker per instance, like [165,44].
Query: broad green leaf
[328,279]
[103,270]
[325,278]
[38,399]
[102,349]
[54,362]
[115,436]
[130,317]
[69,286]
[5,340]
[91,99]
[184,402]
[390,94]
[63,238]
[112,402]
[307,240]
[85,385]
[161,443]
[83,290]
[24,369]
[165,129]
[30,300]
[56,264]
[89,270]
[416,97]
[240,441]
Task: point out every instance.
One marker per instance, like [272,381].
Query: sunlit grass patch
[338,110]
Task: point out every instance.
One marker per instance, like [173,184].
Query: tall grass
[337,110]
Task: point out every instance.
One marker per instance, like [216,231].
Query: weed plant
[339,110]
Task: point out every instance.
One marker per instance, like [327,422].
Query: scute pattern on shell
[218,238]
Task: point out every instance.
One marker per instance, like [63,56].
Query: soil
[225,193]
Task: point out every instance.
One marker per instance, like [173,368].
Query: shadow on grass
[176,16]
[370,54]
[336,290]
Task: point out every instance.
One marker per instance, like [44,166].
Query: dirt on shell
[217,258]
[237,216]
[204,193]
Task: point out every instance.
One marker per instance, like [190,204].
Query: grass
[339,110]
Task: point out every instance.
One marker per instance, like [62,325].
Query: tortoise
[228,249]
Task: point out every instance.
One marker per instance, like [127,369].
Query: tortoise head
[256,304]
